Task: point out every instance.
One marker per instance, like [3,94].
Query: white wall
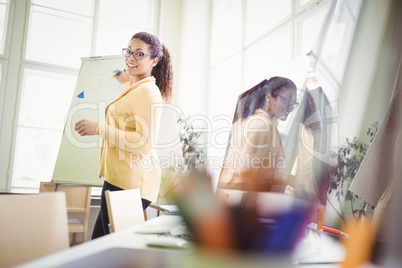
[386,67]
[171,19]
[193,67]
[362,72]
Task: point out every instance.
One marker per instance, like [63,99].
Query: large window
[58,34]
[338,38]
[45,99]
[58,37]
[262,16]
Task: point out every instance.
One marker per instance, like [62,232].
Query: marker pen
[118,73]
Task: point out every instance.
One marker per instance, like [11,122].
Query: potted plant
[348,158]
[193,155]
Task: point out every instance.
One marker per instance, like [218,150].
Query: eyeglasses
[289,101]
[136,54]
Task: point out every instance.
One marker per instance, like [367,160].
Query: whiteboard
[78,157]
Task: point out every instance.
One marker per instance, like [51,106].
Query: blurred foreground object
[219,226]
[32,226]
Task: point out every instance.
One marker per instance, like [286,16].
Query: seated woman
[255,155]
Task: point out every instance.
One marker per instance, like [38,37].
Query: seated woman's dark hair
[254,98]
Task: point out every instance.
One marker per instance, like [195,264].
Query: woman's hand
[86,127]
[122,77]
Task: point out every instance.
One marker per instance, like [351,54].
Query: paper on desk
[154,230]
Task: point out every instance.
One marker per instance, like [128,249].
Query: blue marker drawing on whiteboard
[118,73]
[81,95]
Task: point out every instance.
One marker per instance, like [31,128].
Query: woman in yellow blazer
[127,159]
[255,157]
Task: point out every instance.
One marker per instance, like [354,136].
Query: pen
[118,73]
[333,231]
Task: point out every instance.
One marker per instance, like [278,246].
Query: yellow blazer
[255,155]
[127,159]
[305,180]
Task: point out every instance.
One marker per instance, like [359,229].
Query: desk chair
[78,200]
[124,208]
[32,226]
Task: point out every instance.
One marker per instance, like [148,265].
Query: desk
[167,209]
[128,248]
[113,250]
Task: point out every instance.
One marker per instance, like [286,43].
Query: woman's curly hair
[163,71]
